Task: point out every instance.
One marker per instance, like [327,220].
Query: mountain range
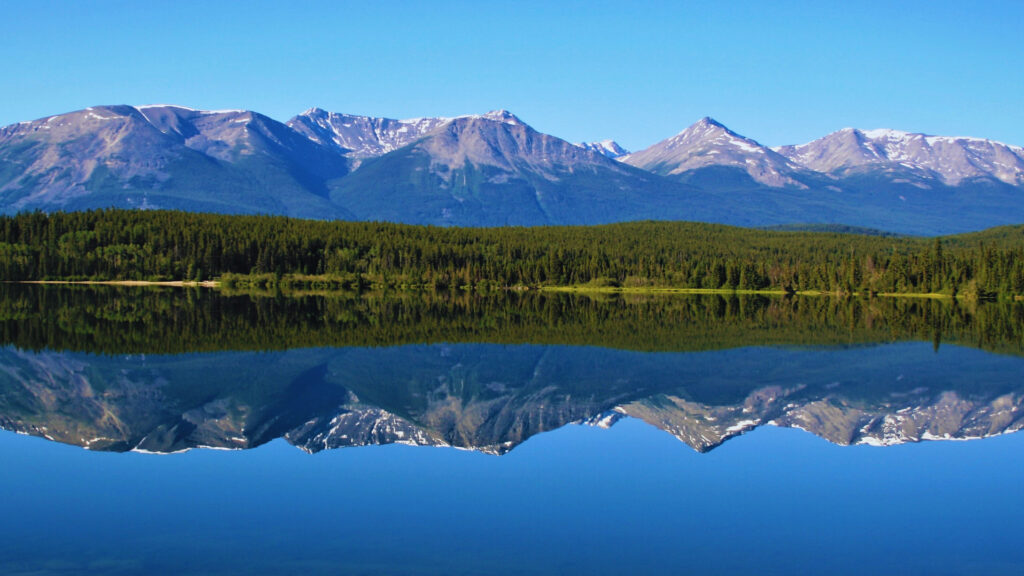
[494,169]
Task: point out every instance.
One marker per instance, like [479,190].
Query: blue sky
[778,72]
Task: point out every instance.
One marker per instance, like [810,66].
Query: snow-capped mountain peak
[709,133]
[705,124]
[609,148]
[708,143]
[949,159]
[501,116]
[187,109]
[361,137]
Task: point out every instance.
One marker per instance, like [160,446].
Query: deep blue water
[579,500]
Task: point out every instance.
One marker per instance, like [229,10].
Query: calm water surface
[508,435]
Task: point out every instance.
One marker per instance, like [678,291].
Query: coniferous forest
[251,251]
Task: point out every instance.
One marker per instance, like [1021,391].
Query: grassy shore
[575,289]
[180,283]
[584,289]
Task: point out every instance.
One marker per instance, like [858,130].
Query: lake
[197,432]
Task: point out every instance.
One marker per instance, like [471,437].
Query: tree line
[263,250]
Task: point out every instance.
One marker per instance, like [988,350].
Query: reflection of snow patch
[741,425]
[144,451]
[607,420]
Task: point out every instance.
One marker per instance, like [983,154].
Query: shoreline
[173,283]
[579,289]
[656,290]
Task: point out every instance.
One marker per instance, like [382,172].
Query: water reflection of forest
[120,320]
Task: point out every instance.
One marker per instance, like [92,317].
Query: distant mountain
[165,157]
[948,160]
[609,148]
[709,144]
[493,169]
[361,137]
[880,179]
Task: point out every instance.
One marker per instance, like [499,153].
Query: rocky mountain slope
[708,143]
[361,137]
[948,160]
[493,170]
[165,157]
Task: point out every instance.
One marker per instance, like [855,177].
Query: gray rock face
[361,137]
[708,143]
[608,148]
[945,159]
[500,140]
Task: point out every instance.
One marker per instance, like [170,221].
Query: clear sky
[779,72]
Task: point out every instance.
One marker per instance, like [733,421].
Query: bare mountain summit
[708,144]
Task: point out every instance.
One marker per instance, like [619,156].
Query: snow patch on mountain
[607,148]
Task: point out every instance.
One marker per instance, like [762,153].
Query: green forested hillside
[151,245]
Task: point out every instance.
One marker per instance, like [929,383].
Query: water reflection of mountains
[493,396]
